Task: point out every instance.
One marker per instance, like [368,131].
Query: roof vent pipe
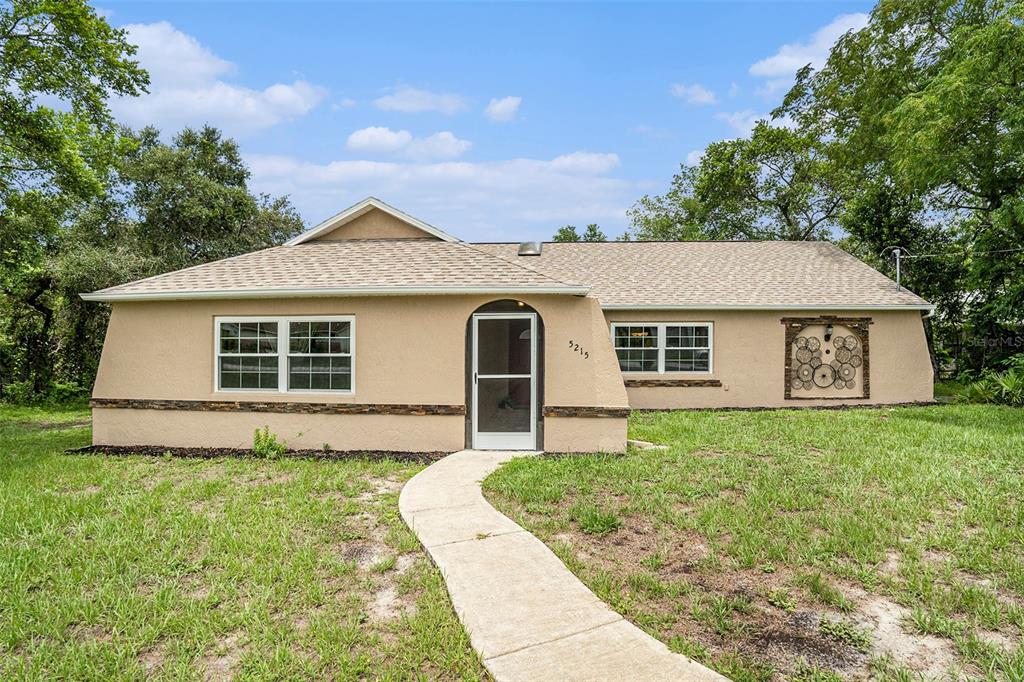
[530,248]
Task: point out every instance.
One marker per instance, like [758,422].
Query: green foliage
[265,444]
[568,233]
[910,135]
[59,50]
[777,184]
[923,106]
[846,632]
[58,393]
[170,205]
[781,599]
[1002,387]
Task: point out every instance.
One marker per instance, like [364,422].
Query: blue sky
[496,122]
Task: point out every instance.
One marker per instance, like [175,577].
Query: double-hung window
[672,347]
[285,354]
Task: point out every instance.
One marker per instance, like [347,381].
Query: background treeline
[911,135]
[86,204]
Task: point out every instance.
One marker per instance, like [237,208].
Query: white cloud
[734,89]
[793,56]
[693,94]
[414,100]
[174,58]
[443,145]
[742,122]
[378,139]
[510,199]
[382,140]
[694,157]
[345,103]
[187,88]
[504,109]
[584,162]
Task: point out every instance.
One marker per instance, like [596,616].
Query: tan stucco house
[377,331]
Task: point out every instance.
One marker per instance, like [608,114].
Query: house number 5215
[576,349]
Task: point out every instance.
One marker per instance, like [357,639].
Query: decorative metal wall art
[826,358]
[811,371]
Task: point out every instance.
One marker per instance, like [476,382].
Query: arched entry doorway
[504,352]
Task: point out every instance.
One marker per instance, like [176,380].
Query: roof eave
[774,306]
[220,294]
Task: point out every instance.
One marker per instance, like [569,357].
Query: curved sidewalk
[527,615]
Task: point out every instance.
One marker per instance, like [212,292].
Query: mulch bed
[242,453]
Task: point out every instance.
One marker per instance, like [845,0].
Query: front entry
[504,366]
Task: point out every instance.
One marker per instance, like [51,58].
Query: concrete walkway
[527,615]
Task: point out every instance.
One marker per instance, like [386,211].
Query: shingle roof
[712,274]
[619,274]
[346,268]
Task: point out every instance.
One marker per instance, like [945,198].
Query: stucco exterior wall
[569,434]
[181,428]
[374,224]
[408,350]
[748,358]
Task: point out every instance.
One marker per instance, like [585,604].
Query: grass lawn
[812,545]
[132,567]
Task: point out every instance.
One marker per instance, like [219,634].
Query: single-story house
[377,331]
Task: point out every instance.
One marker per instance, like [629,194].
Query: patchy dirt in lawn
[93,633]
[679,583]
[926,654]
[222,662]
[366,555]
[378,487]
[87,490]
[151,659]
[50,426]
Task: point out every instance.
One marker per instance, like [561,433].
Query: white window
[285,354]
[663,347]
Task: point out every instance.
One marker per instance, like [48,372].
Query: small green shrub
[846,632]
[781,599]
[266,445]
[58,393]
[594,520]
[822,590]
[1003,388]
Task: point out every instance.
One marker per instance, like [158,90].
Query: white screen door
[504,381]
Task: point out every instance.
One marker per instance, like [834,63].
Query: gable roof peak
[361,208]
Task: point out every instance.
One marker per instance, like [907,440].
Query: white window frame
[283,347]
[710,326]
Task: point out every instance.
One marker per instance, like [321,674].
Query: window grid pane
[248,372]
[686,360]
[685,348]
[320,338]
[318,353]
[320,373]
[248,338]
